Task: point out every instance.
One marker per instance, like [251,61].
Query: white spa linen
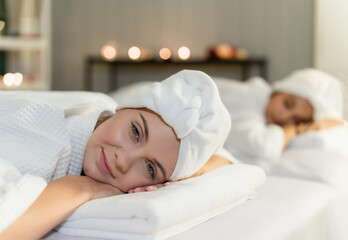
[43,137]
[321,165]
[250,137]
[166,211]
[320,156]
[335,138]
[190,103]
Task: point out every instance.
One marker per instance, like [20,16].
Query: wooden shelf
[17,43]
[25,85]
[245,67]
[33,53]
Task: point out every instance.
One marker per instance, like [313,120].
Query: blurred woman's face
[285,109]
[133,148]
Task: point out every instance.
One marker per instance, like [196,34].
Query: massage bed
[302,196]
[283,209]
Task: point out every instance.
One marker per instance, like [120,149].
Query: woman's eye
[287,103]
[150,169]
[135,132]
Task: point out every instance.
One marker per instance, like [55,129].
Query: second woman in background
[265,118]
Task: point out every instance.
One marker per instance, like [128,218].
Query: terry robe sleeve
[250,136]
[39,135]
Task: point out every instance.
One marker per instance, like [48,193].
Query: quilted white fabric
[43,136]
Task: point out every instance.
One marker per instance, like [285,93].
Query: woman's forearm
[57,202]
[290,133]
[214,162]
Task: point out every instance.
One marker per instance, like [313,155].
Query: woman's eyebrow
[145,127]
[159,165]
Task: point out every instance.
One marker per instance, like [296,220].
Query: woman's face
[133,148]
[284,109]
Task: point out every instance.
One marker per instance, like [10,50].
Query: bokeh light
[18,79]
[184,53]
[165,53]
[8,79]
[108,52]
[11,79]
[134,53]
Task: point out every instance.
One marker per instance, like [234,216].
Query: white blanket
[167,211]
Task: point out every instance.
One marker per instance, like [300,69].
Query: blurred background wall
[281,31]
[330,43]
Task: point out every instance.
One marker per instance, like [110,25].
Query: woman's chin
[269,120]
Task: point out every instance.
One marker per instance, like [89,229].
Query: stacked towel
[167,211]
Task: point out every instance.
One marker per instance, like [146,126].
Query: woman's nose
[286,118]
[124,160]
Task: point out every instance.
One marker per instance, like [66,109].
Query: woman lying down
[265,119]
[60,150]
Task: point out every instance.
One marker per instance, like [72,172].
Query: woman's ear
[102,118]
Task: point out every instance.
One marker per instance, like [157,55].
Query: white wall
[278,30]
[331,38]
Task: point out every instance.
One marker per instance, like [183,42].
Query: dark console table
[245,67]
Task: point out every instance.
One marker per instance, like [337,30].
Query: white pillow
[124,92]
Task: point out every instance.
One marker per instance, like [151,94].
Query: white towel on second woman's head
[322,90]
[167,211]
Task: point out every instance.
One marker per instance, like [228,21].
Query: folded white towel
[167,211]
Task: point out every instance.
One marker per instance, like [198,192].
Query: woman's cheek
[135,180]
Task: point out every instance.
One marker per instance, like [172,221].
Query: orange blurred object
[222,51]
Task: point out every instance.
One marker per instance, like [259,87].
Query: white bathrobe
[42,137]
[250,137]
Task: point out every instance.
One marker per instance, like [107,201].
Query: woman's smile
[104,163]
[274,120]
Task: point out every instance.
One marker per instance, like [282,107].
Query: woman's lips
[273,120]
[104,163]
[269,119]
[276,121]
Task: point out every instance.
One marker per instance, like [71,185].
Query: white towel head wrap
[323,91]
[190,103]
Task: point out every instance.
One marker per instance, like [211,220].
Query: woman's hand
[315,126]
[58,200]
[291,131]
[149,188]
[214,162]
[93,188]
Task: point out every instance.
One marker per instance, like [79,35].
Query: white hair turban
[190,103]
[323,91]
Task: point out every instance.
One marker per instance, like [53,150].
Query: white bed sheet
[284,209]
